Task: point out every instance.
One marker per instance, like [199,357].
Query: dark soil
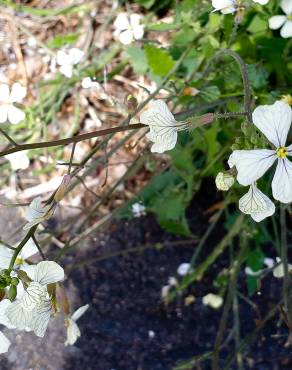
[125,296]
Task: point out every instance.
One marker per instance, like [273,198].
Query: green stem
[18,249]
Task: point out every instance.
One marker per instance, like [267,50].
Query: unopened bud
[190,91]
[207,118]
[60,193]
[14,281]
[12,292]
[131,103]
[224,181]
[239,15]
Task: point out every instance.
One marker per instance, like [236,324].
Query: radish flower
[128,28]
[18,160]
[73,331]
[37,213]
[68,59]
[8,111]
[29,249]
[283,21]
[274,122]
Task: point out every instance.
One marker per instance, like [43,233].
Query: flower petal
[5,256]
[158,114]
[126,37]
[289,148]
[67,70]
[251,164]
[212,300]
[48,272]
[274,121]
[40,318]
[164,140]
[18,316]
[79,312]
[4,93]
[75,55]
[286,5]
[62,58]
[226,6]
[256,204]
[3,113]
[73,332]
[4,343]
[122,22]
[18,93]
[277,21]
[286,30]
[282,181]
[138,32]
[15,115]
[4,304]
[18,160]
[262,2]
[29,249]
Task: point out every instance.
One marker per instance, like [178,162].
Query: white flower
[274,121]
[73,331]
[262,2]
[33,309]
[8,112]
[88,83]
[128,28]
[251,272]
[212,300]
[224,181]
[138,209]
[163,126]
[37,213]
[256,204]
[224,6]
[284,21]
[183,269]
[27,251]
[18,160]
[278,271]
[68,59]
[4,343]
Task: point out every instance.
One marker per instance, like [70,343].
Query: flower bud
[12,292]
[14,281]
[60,193]
[224,181]
[131,103]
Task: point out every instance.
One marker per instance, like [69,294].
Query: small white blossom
[128,28]
[68,59]
[33,310]
[29,249]
[18,160]
[283,21]
[138,210]
[184,269]
[262,2]
[256,204]
[37,213]
[73,331]
[163,126]
[224,181]
[224,6]
[89,83]
[274,121]
[212,300]
[269,262]
[278,271]
[8,111]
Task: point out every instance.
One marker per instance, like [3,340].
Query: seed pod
[12,292]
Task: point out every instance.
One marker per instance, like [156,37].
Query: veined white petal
[4,304]
[48,272]
[256,204]
[37,213]
[282,181]
[226,6]
[30,270]
[5,256]
[29,249]
[79,312]
[277,21]
[33,296]
[289,148]
[4,343]
[40,318]
[122,22]
[4,93]
[286,30]
[126,37]
[286,5]
[73,332]
[3,113]
[251,164]
[67,70]
[18,316]
[18,160]
[18,93]
[15,115]
[274,121]
[163,139]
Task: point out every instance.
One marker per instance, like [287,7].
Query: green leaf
[61,40]
[138,60]
[159,60]
[257,75]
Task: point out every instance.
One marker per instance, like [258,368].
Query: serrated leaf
[137,59]
[159,60]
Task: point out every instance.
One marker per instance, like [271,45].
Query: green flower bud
[12,293]
[14,281]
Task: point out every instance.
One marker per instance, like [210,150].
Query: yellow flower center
[282,152]
[289,17]
[19,261]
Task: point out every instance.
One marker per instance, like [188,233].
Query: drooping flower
[278,271]
[163,126]
[8,111]
[283,21]
[212,300]
[256,204]
[68,59]
[224,181]
[274,121]
[18,160]
[33,310]
[138,209]
[73,331]
[128,28]
[37,213]
[29,249]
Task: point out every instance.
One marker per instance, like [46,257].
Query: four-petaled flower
[37,212]
[163,126]
[8,111]
[68,59]
[128,28]
[29,249]
[284,21]
[274,121]
[18,160]
[231,6]
[33,310]
[73,331]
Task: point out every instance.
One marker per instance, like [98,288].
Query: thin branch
[8,137]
